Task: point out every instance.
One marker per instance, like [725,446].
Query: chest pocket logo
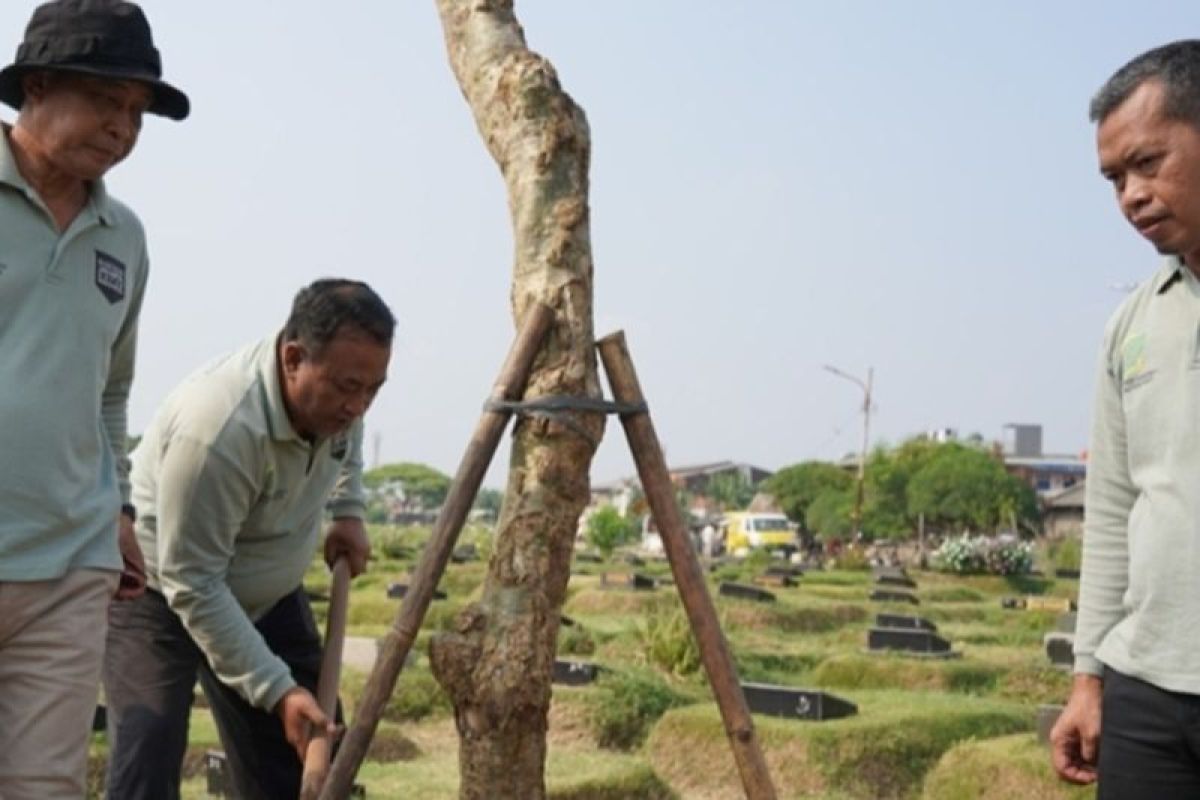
[110,277]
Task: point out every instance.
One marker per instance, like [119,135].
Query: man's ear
[34,84]
[292,355]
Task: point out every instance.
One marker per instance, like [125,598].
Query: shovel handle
[320,747]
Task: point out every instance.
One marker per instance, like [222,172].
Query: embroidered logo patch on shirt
[1134,372]
[110,277]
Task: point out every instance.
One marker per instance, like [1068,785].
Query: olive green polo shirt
[230,503]
[1139,599]
[69,304]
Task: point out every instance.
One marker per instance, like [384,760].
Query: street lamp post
[856,519]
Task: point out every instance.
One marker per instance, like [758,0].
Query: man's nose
[1135,194]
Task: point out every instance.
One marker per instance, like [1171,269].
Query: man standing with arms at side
[1133,720]
[231,482]
[73,270]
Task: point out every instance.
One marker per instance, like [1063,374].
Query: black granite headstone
[791,570]
[743,592]
[216,774]
[895,580]
[575,673]
[907,640]
[1065,572]
[786,701]
[1060,648]
[627,580]
[464,553]
[893,596]
[902,621]
[396,591]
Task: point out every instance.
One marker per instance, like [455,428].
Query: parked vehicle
[747,530]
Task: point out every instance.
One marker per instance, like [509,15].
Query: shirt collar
[277,416]
[1171,273]
[9,173]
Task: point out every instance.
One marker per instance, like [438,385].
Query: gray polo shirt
[69,306]
[1139,599]
[230,503]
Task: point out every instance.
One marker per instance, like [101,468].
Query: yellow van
[746,530]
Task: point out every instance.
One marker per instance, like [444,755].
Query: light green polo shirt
[69,306]
[230,503]
[1139,598]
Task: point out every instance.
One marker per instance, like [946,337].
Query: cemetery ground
[647,728]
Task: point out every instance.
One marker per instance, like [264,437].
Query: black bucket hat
[102,38]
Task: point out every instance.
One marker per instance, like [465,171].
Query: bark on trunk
[497,664]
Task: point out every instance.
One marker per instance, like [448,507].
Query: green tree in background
[489,500]
[607,530]
[796,487]
[829,514]
[422,483]
[964,488]
[730,490]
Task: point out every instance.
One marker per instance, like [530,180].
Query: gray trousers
[150,669]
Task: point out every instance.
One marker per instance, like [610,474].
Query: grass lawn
[937,729]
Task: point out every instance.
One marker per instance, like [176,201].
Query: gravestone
[588,558]
[216,774]
[743,592]
[791,703]
[893,596]
[776,581]
[627,580]
[1012,603]
[1065,572]
[575,673]
[1047,715]
[1065,623]
[893,576]
[464,553]
[633,559]
[907,640]
[99,719]
[902,621]
[1060,649]
[397,590]
[790,570]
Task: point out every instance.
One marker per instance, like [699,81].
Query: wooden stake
[689,579]
[510,385]
[316,757]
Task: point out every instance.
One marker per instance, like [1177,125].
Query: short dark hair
[323,307]
[1176,65]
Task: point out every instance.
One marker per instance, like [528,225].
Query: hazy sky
[776,185]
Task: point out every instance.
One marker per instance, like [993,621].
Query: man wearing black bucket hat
[73,270]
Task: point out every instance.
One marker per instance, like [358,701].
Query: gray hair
[1175,65]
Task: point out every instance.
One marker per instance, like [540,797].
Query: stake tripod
[656,482]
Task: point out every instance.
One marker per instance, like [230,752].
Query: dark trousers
[150,669]
[1149,742]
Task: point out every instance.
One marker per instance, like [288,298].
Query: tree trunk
[497,664]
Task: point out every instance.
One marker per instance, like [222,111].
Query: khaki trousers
[51,646]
